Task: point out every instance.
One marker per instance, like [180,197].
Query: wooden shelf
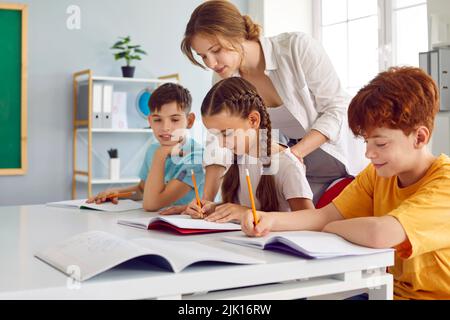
[129,80]
[129,180]
[100,130]
[82,132]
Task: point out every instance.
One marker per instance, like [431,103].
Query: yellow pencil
[252,200]
[196,189]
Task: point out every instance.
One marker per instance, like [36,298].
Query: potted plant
[128,52]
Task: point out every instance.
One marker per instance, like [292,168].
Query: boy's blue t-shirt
[179,168]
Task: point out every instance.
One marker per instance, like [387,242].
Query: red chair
[333,191]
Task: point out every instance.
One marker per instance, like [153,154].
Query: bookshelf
[90,142]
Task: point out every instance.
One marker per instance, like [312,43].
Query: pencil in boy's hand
[252,200]
[119,195]
[196,189]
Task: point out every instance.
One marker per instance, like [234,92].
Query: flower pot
[128,71]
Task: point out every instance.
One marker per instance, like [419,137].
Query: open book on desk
[123,205]
[307,244]
[96,251]
[182,224]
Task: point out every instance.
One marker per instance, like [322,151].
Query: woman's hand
[196,212]
[227,212]
[105,195]
[308,144]
[264,226]
[296,152]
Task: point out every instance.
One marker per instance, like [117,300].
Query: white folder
[97,105]
[107,106]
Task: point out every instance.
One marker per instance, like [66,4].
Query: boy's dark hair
[170,92]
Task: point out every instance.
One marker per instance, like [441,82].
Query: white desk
[27,229]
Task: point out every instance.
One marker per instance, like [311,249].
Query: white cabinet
[108,114]
[440,141]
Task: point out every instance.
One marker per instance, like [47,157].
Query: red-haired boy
[402,199]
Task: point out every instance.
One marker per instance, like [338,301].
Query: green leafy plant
[127,51]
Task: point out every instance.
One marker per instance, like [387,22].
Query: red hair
[400,98]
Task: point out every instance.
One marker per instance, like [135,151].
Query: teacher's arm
[329,97]
[310,142]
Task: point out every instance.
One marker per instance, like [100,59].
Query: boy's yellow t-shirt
[422,263]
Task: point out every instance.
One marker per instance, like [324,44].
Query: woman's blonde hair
[221,20]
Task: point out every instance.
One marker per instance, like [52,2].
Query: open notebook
[181,224]
[307,244]
[91,253]
[123,205]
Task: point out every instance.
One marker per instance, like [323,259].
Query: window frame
[386,34]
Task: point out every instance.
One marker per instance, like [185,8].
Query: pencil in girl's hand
[252,200]
[196,189]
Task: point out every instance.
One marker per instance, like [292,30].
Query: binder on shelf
[107,106]
[97,105]
[83,106]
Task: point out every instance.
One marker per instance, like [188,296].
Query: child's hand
[173,210]
[103,196]
[196,212]
[227,212]
[262,229]
[165,151]
[175,150]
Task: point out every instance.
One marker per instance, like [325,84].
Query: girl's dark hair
[239,98]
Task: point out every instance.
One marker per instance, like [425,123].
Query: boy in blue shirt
[165,175]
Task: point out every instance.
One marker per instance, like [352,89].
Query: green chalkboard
[13,89]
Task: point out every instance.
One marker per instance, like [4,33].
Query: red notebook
[180,224]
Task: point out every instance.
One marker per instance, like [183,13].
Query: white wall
[278,16]
[55,52]
[439,34]
[439,21]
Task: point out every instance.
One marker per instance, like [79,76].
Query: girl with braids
[297,82]
[235,111]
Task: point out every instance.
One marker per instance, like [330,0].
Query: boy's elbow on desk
[379,235]
[386,232]
[152,205]
[156,202]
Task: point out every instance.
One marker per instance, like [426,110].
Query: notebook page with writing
[89,254]
[94,252]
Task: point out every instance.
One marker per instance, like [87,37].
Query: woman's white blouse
[310,89]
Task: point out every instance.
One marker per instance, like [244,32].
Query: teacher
[295,78]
